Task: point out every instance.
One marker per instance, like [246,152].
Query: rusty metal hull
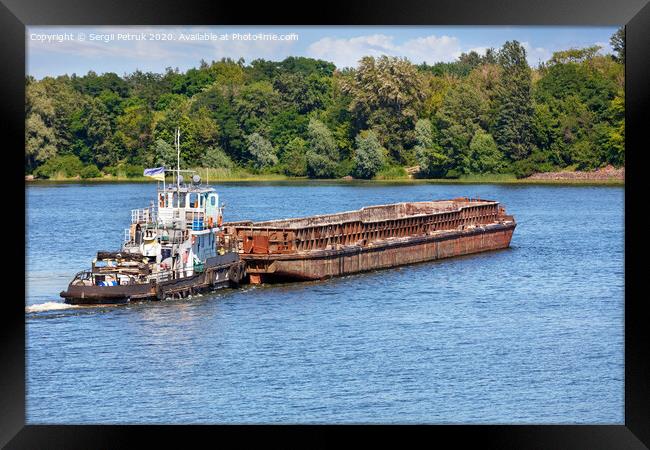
[392,252]
[374,237]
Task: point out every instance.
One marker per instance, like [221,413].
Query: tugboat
[172,249]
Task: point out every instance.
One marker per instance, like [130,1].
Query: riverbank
[608,176]
[608,173]
[214,175]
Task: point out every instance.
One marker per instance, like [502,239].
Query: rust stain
[371,238]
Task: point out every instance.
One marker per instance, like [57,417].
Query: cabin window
[175,200]
[194,200]
[213,200]
[161,201]
[182,203]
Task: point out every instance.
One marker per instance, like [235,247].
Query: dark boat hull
[226,271]
[100,295]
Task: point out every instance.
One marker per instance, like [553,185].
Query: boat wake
[48,306]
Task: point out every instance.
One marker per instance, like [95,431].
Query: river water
[532,334]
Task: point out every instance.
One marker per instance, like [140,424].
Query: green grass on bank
[69,168]
[392,175]
[207,175]
[237,174]
[225,178]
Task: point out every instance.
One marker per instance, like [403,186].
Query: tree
[166,154]
[322,153]
[514,103]
[255,105]
[436,89]
[613,143]
[218,104]
[464,110]
[193,81]
[215,157]
[307,66]
[294,158]
[198,130]
[261,151]
[575,122]
[40,142]
[40,138]
[369,155]
[305,93]
[433,162]
[485,156]
[287,125]
[302,116]
[337,116]
[617,41]
[98,135]
[386,94]
[148,86]
[64,165]
[90,171]
[460,68]
[133,130]
[68,109]
[574,55]
[93,85]
[455,140]
[584,155]
[205,128]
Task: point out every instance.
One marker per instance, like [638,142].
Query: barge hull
[322,264]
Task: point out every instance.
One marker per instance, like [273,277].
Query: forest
[302,117]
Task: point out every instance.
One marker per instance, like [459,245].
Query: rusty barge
[374,237]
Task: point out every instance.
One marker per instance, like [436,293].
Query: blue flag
[157,173]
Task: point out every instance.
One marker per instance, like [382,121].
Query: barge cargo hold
[374,237]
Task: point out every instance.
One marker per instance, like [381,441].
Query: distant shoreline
[549,178]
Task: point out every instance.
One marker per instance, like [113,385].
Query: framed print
[413,214]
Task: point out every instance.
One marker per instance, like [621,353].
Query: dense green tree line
[487,113]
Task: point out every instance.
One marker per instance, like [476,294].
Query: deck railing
[143,215]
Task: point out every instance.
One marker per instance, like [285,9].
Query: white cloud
[479,50]
[346,52]
[535,55]
[606,47]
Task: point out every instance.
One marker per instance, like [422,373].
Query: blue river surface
[533,334]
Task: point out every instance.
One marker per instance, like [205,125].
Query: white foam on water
[48,306]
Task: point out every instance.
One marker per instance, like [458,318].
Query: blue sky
[53,51]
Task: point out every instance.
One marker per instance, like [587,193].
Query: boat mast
[176,245]
[178,155]
[178,166]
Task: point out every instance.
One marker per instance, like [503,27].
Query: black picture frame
[635,14]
